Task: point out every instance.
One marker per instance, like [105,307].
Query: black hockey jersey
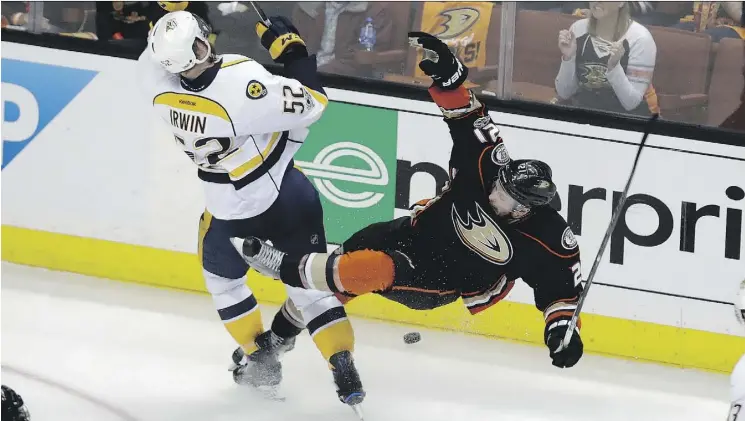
[470,252]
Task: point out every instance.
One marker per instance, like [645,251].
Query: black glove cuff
[293,53]
[304,70]
[459,75]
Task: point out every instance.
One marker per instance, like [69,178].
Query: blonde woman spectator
[608,62]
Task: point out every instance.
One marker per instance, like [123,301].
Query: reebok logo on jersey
[33,95]
[483,236]
[256,90]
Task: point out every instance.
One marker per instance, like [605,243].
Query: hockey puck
[412,337]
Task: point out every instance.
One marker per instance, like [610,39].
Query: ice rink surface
[79,348]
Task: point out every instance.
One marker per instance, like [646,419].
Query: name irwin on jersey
[189,122]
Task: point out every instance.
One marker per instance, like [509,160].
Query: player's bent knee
[218,285]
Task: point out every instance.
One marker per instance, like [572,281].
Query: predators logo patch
[171,25]
[255,90]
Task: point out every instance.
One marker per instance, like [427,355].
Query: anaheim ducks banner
[463,26]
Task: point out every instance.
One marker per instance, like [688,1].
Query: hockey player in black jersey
[490,225]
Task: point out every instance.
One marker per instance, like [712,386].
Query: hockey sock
[288,322]
[332,332]
[243,321]
[363,271]
[357,272]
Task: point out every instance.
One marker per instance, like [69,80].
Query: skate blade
[357,408]
[355,402]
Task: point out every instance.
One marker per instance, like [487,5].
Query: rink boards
[93,184]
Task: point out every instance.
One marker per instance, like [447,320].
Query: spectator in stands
[130,21]
[332,29]
[607,62]
[237,34]
[720,19]
[70,18]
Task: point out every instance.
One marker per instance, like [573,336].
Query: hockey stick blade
[606,238]
[261,13]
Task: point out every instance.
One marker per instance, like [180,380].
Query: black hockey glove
[439,63]
[553,336]
[281,39]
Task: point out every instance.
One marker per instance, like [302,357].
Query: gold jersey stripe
[193,103]
[234,62]
[318,96]
[254,162]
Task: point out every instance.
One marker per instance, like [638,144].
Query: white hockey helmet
[740,303]
[171,41]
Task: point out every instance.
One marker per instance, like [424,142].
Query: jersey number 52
[294,101]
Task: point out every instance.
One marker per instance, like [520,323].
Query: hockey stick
[608,232]
[261,13]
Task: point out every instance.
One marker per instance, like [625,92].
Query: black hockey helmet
[528,181]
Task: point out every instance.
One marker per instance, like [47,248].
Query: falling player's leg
[225,276]
[369,261]
[377,259]
[323,313]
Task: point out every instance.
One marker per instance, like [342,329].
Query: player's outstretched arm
[471,128]
[276,103]
[285,45]
[556,280]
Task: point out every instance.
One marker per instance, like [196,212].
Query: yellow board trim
[254,162]
[204,225]
[521,322]
[193,103]
[321,98]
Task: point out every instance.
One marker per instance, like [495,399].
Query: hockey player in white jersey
[241,126]
[736,412]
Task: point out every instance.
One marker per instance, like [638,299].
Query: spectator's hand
[616,52]
[567,44]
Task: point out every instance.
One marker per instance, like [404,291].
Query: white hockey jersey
[737,413]
[242,130]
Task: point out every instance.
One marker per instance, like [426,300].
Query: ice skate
[348,383]
[259,255]
[262,369]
